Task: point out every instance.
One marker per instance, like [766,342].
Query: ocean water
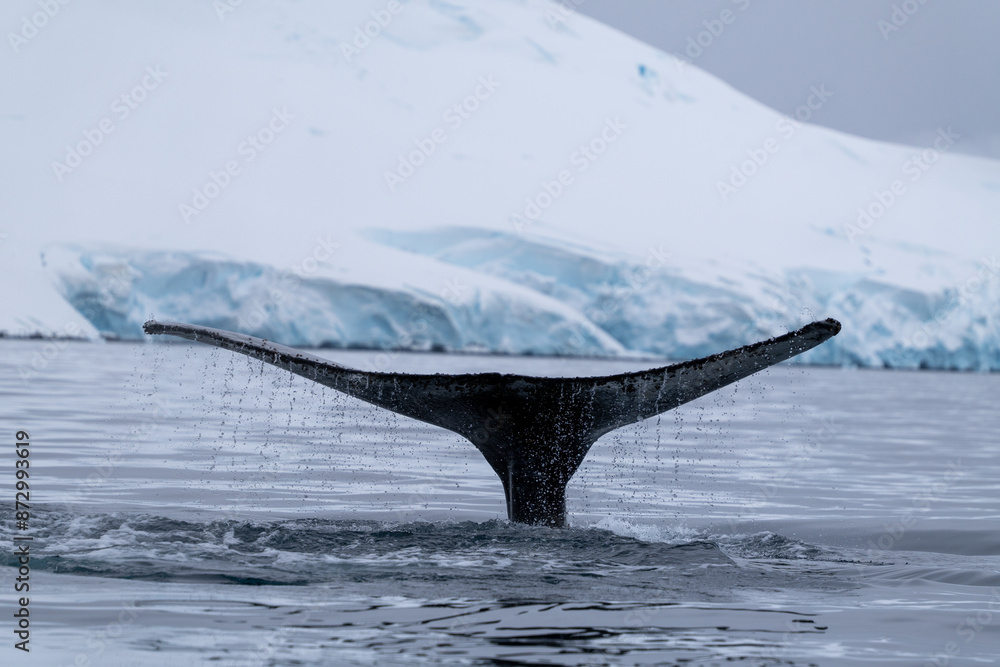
[191,506]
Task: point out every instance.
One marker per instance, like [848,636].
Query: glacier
[116,293]
[541,297]
[598,197]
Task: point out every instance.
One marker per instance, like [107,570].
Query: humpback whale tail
[533,431]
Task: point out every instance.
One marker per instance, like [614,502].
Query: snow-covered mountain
[474,174]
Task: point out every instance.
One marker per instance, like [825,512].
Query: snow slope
[497,175]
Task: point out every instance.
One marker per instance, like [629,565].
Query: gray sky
[940,68]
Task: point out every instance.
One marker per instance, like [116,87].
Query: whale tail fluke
[533,431]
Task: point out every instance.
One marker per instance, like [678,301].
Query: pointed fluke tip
[831,325]
[819,331]
[152,327]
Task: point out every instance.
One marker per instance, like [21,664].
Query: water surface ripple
[188,505]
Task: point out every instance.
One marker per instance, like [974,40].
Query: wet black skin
[533,431]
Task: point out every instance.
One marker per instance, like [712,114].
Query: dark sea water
[192,507]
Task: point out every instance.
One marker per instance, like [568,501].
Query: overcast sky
[940,67]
